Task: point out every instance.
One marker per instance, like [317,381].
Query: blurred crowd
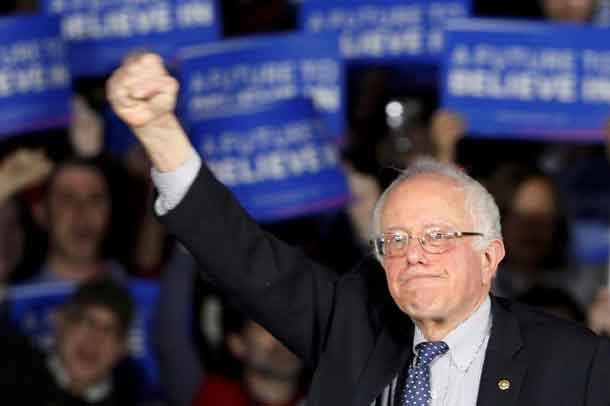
[72,210]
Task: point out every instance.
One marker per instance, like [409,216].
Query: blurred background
[306,110]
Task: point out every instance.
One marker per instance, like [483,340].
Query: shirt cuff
[172,186]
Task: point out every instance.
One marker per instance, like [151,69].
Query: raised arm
[22,169]
[275,284]
[143,95]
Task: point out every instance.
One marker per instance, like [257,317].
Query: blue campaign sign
[528,79]
[373,31]
[276,159]
[35,87]
[32,307]
[240,74]
[101,33]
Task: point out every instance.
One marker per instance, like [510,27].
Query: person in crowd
[435,337]
[269,374]
[572,11]
[580,169]
[248,365]
[19,171]
[536,233]
[75,212]
[90,339]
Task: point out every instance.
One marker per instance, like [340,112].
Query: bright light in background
[394,111]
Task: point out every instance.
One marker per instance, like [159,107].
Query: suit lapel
[392,350]
[503,371]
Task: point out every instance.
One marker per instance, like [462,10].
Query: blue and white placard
[234,75]
[35,87]
[384,30]
[100,33]
[528,79]
[277,160]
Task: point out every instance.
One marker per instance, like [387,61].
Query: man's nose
[415,251]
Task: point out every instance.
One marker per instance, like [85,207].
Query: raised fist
[446,129]
[22,169]
[142,92]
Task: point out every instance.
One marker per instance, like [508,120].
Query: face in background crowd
[529,224]
[78,213]
[574,11]
[264,354]
[436,290]
[11,239]
[89,343]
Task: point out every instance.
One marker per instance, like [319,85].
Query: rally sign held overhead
[384,30]
[35,85]
[100,33]
[277,159]
[528,79]
[238,75]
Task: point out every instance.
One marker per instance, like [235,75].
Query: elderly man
[437,338]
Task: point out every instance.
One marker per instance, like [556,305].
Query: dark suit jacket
[349,330]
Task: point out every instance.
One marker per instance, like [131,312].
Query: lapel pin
[504,384]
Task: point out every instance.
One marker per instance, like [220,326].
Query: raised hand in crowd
[22,169]
[446,129]
[86,129]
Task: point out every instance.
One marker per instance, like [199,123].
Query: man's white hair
[478,202]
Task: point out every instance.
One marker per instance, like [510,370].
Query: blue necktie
[417,388]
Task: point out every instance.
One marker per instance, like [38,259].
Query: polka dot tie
[417,389]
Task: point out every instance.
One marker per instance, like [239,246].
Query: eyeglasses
[434,240]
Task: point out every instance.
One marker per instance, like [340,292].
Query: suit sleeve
[275,284]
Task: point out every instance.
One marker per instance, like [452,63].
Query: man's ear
[236,345]
[491,257]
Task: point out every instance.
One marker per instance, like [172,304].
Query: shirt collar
[466,340]
[95,393]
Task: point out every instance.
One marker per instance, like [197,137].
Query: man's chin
[86,375]
[422,310]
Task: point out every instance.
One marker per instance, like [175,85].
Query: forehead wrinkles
[438,199]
